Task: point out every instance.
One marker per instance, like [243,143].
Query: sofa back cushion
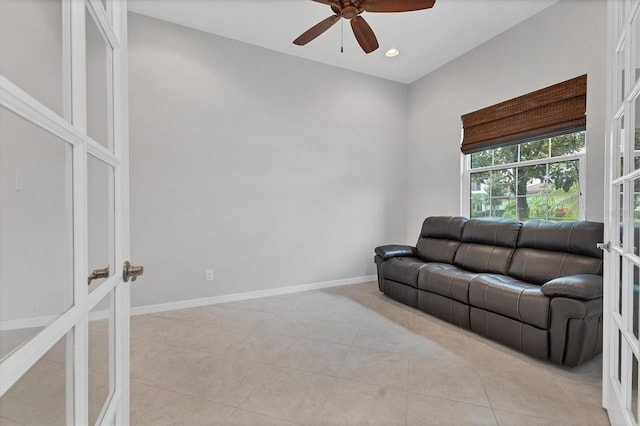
[487,245]
[440,238]
[548,250]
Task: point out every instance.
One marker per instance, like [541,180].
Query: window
[524,157]
[539,179]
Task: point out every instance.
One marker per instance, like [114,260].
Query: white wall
[562,42]
[270,169]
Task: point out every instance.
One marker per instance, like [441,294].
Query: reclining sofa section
[536,287]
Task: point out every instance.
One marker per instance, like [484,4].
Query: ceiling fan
[351,10]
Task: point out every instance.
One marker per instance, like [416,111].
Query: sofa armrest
[582,287]
[387,252]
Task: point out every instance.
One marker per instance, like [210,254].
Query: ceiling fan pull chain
[342,36]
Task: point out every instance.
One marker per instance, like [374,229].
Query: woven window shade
[551,111]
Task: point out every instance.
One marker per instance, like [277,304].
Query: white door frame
[72,128]
[617,383]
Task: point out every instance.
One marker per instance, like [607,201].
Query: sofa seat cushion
[511,298]
[451,282]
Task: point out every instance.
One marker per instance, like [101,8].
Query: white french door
[622,215]
[64,212]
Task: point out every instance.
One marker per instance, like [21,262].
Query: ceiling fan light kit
[352,9]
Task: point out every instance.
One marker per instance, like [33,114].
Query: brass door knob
[130,272]
[97,274]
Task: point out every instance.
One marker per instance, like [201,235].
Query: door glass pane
[636,300]
[634,388]
[31,48]
[620,143]
[635,28]
[101,375]
[99,86]
[100,186]
[39,397]
[619,359]
[36,248]
[621,76]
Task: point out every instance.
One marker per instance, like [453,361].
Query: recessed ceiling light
[392,53]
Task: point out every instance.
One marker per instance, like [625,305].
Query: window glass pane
[505,155]
[531,182]
[36,247]
[534,150]
[482,159]
[31,48]
[502,207]
[502,183]
[564,190]
[480,206]
[573,143]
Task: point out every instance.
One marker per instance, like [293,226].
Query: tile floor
[341,356]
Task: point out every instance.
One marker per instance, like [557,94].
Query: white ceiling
[426,39]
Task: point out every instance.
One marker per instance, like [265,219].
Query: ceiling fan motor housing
[346,9]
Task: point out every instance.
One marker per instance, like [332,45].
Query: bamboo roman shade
[556,109]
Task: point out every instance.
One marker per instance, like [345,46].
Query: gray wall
[272,170]
[564,41]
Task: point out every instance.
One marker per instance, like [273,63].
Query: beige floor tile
[354,403]
[587,397]
[8,422]
[424,324]
[589,372]
[248,418]
[186,334]
[386,369]
[292,395]
[531,393]
[446,379]
[262,347]
[144,398]
[225,380]
[223,316]
[437,411]
[451,347]
[506,418]
[315,356]
[164,366]
[385,338]
[312,328]
[186,410]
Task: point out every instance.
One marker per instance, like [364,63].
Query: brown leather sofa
[536,287]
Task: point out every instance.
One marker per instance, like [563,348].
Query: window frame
[466,170]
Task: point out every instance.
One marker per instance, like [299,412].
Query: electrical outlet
[208,274]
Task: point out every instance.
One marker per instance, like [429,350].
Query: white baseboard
[192,303]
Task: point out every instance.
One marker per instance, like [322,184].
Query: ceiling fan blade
[323,1]
[397,5]
[316,30]
[364,34]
